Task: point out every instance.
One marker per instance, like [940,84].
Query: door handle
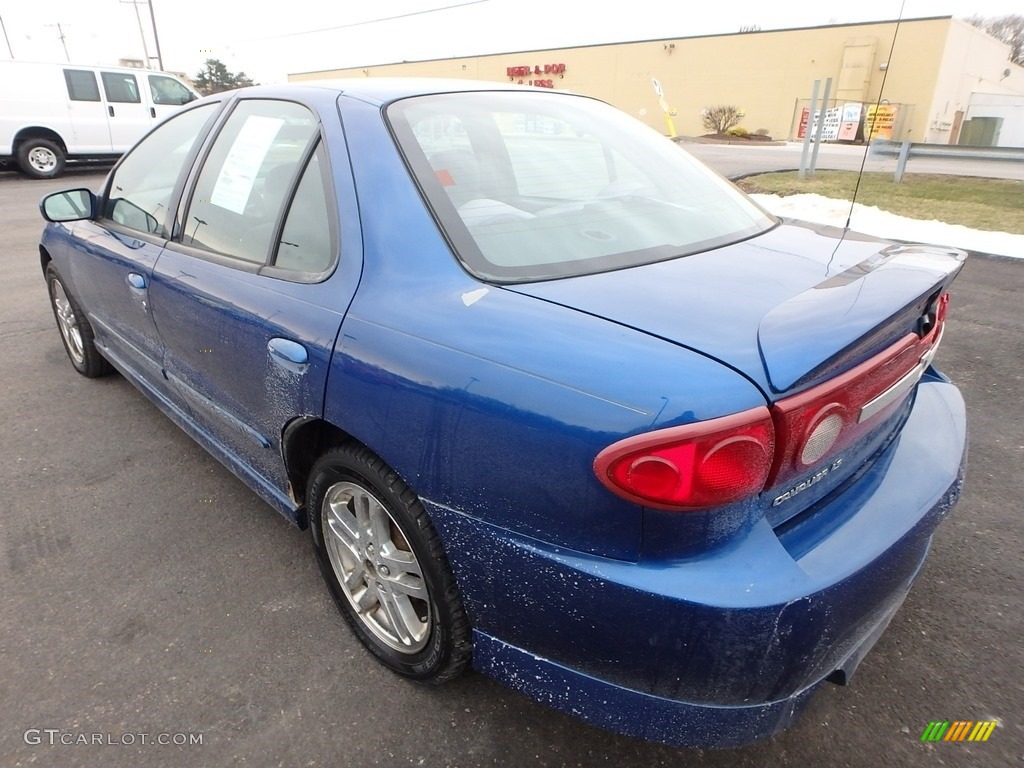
[136,281]
[110,110]
[289,352]
[152,111]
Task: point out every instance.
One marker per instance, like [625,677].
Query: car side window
[81,85]
[121,87]
[167,90]
[305,244]
[142,185]
[247,179]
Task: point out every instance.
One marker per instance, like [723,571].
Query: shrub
[761,131]
[721,117]
[738,131]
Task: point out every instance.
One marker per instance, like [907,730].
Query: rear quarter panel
[489,402]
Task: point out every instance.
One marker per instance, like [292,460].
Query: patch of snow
[873,221]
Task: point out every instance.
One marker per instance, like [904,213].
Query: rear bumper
[722,649]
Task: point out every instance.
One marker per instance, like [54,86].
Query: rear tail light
[695,466]
[825,419]
[720,461]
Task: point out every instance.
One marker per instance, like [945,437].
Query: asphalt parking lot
[146,590]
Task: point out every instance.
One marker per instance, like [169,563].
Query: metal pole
[156,37]
[901,163]
[61,33]
[807,134]
[138,18]
[6,38]
[821,124]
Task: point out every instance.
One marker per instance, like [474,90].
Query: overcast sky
[311,34]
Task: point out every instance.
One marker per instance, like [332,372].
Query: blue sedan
[554,400]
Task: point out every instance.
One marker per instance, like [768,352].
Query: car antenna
[878,103]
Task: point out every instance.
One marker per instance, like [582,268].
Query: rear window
[534,186]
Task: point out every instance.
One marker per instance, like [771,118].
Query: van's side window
[81,85]
[121,87]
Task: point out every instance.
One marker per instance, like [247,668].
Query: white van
[50,113]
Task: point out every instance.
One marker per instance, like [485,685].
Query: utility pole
[156,37]
[6,38]
[60,34]
[138,18]
[64,43]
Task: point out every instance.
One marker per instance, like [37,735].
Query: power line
[374,21]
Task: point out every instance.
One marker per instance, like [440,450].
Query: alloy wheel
[68,323]
[376,568]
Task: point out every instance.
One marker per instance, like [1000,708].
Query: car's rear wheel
[385,566]
[75,331]
[40,158]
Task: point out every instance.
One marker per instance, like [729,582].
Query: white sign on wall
[830,124]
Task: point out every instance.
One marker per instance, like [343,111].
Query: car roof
[382,90]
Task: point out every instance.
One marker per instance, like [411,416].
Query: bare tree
[1009,29]
[721,117]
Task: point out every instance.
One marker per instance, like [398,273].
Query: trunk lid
[788,309]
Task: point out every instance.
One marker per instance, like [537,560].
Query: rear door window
[306,243]
[247,179]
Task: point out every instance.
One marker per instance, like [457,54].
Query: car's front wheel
[75,331]
[385,566]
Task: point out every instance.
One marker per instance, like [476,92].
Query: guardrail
[906,150]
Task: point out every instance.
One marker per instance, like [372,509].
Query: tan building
[942,72]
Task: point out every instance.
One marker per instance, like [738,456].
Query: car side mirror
[69,205]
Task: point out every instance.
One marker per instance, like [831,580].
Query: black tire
[430,640]
[41,158]
[75,331]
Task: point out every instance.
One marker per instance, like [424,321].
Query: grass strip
[989,204]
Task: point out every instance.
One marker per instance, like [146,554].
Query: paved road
[145,589]
[734,160]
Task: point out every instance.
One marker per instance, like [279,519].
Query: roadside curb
[737,142]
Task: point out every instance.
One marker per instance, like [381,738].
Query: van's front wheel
[40,158]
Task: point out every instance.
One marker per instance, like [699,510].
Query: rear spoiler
[834,326]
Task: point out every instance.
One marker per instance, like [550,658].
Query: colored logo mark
[959,730]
